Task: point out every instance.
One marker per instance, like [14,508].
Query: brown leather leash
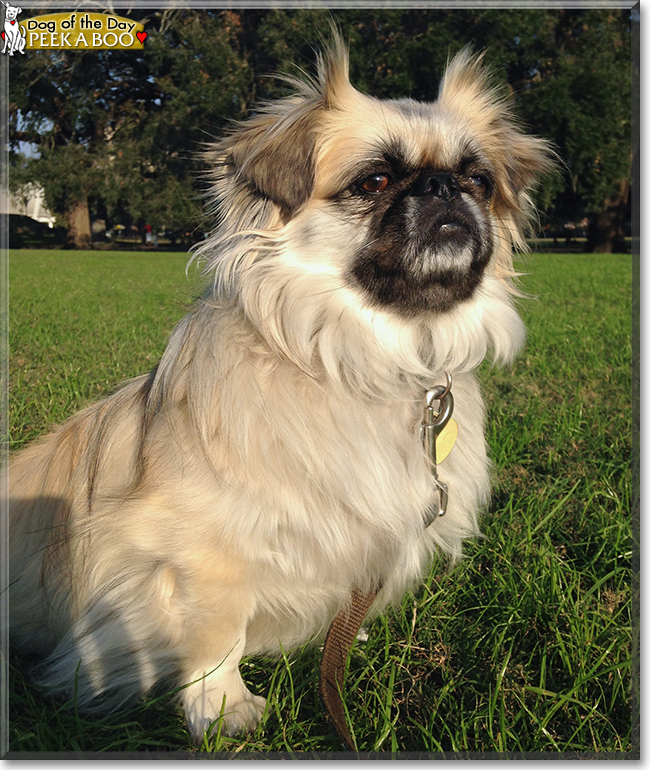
[345,626]
[338,643]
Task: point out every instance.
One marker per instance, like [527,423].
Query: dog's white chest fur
[332,489]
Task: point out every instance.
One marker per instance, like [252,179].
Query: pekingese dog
[231,501]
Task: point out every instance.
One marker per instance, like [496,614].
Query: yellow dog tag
[446,439]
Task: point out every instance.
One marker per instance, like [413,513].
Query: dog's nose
[444,186]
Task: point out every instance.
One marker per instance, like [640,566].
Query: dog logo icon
[12,34]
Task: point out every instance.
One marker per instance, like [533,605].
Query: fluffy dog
[230,501]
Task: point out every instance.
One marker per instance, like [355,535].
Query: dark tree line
[116,134]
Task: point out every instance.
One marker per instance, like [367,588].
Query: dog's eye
[481,183]
[375,183]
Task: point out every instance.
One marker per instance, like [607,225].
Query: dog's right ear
[274,151]
[273,154]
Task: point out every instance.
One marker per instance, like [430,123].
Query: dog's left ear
[520,158]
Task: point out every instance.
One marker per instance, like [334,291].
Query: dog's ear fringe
[332,79]
[468,87]
[272,153]
[334,69]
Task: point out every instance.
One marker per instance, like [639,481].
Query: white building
[29,205]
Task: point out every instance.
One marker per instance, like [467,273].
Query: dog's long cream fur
[228,503]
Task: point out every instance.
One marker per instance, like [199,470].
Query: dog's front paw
[244,716]
[210,703]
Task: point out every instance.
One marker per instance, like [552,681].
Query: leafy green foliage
[122,129]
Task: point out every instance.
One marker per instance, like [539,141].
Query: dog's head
[401,207]
[11,12]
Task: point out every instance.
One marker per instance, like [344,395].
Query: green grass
[525,646]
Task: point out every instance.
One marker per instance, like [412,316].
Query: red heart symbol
[3,35]
[142,36]
[12,23]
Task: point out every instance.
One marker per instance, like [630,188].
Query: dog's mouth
[449,233]
[447,228]
[432,264]
[451,225]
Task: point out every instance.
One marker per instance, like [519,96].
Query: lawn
[525,646]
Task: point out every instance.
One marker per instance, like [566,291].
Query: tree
[118,132]
[582,99]
[64,103]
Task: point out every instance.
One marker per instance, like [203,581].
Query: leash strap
[338,643]
[345,626]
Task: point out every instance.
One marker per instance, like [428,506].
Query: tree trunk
[606,234]
[79,225]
